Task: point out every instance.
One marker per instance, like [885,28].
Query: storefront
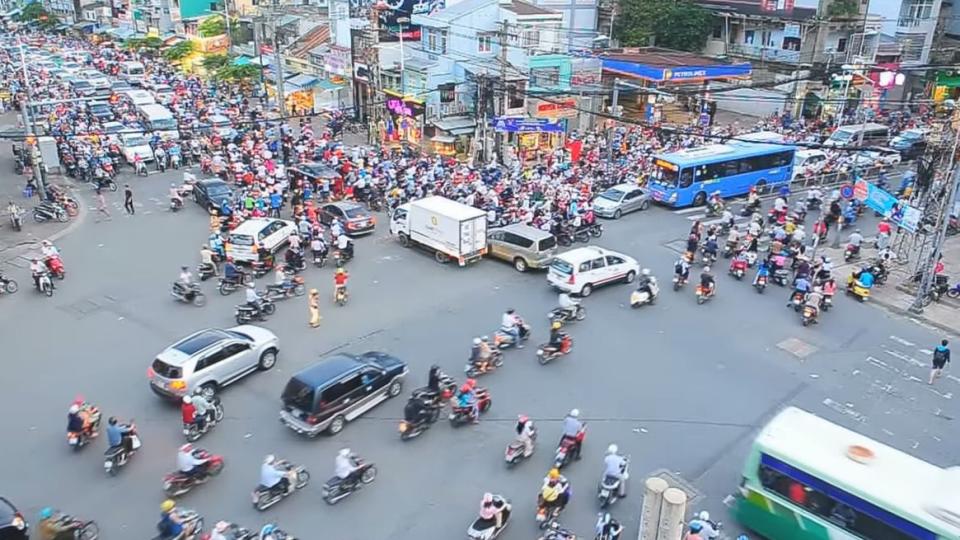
[404,120]
[452,135]
[532,136]
[946,85]
[299,91]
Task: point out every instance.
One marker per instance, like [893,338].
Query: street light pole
[31,127]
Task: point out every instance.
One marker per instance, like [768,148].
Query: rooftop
[519,7]
[753,8]
[309,41]
[658,57]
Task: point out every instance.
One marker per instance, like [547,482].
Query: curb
[75,223]
[890,306]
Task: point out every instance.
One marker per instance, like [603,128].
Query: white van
[245,241]
[873,135]
[158,118]
[808,161]
[132,72]
[140,97]
[762,137]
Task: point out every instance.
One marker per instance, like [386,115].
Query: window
[369,376]
[531,39]
[686,178]
[448,92]
[548,243]
[234,349]
[633,195]
[436,40]
[545,77]
[748,37]
[718,31]
[515,96]
[341,389]
[212,359]
[496,235]
[165,370]
[517,240]
[484,43]
[584,266]
[611,260]
[597,263]
[841,44]
[298,394]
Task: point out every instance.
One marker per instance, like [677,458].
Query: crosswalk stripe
[688,210]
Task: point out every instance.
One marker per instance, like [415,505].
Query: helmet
[167,505]
[485,338]
[556,325]
[523,419]
[314,291]
[269,459]
[857,231]
[706,268]
[184,268]
[645,271]
[696,527]
[612,449]
[46,513]
[511,311]
[476,341]
[704,516]
[344,452]
[465,388]
[470,382]
[487,498]
[340,271]
[554,473]
[173,184]
[251,285]
[186,448]
[575,413]
[221,526]
[74,409]
[46,243]
[267,529]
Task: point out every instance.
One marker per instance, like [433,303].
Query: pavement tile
[797,347]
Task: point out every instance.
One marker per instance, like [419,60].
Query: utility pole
[502,108]
[31,127]
[615,111]
[374,99]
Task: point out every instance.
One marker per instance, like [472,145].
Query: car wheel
[268,359]
[337,425]
[631,275]
[700,199]
[617,214]
[645,205]
[520,264]
[404,240]
[395,388]
[209,389]
[586,290]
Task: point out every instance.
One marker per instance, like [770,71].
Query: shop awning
[443,139]
[122,33]
[329,85]
[305,82]
[84,25]
[456,125]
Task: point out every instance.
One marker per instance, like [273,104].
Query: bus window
[666,176]
[686,178]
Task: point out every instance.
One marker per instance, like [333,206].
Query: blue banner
[679,74]
[527,125]
[899,213]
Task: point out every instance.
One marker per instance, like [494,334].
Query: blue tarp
[676,74]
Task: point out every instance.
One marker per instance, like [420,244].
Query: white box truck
[452,231]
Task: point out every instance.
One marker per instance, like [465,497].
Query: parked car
[211,359]
[524,246]
[356,219]
[13,526]
[886,157]
[911,143]
[621,199]
[135,144]
[338,389]
[581,270]
[211,192]
[101,111]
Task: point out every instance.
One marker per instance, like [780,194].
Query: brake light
[351,225]
[150,373]
[313,420]
[373,220]
[571,280]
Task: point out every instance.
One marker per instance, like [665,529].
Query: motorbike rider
[14,210]
[753,198]
[203,407]
[220,531]
[206,258]
[556,337]
[161,158]
[615,466]
[801,286]
[707,283]
[480,354]
[231,272]
[467,399]
[555,491]
[345,246]
[710,248]
[37,269]
[708,529]
[416,411]
[340,282]
[608,528]
[189,464]
[51,527]
[572,428]
[490,511]
[511,324]
[184,283]
[48,250]
[188,413]
[345,465]
[568,304]
[814,299]
[272,474]
[525,434]
[253,299]
[645,281]
[855,240]
[175,194]
[119,434]
[170,526]
[318,247]
[733,238]
[682,269]
[865,277]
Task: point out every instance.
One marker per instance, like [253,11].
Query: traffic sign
[846,191]
[861,190]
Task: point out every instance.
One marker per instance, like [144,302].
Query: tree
[150,42]
[179,51]
[215,62]
[36,12]
[234,73]
[680,25]
[212,26]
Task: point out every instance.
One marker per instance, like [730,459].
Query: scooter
[738,268]
[514,452]
[796,301]
[608,492]
[45,284]
[116,457]
[703,294]
[640,298]
[503,340]
[678,281]
[809,315]
[460,416]
[564,316]
[486,529]
[412,430]
[214,416]
[336,488]
[857,289]
[547,353]
[473,370]
[206,271]
[264,497]
[851,252]
[55,265]
[177,483]
[188,294]
[565,448]
[760,284]
[176,204]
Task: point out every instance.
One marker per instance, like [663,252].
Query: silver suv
[211,359]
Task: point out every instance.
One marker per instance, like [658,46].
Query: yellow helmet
[167,505]
[556,325]
[554,473]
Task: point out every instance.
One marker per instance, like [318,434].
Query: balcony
[770,54]
[915,25]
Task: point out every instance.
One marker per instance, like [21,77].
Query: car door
[202,192]
[237,360]
[340,397]
[615,267]
[631,201]
[373,383]
[494,242]
[208,368]
[598,270]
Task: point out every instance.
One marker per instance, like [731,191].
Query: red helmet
[465,388]
[470,382]
[522,419]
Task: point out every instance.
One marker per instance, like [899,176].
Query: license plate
[604,493]
[255,497]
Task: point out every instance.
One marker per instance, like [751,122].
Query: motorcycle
[738,268]
[176,204]
[107,183]
[48,211]
[514,452]
[187,518]
[117,457]
[851,252]
[546,353]
[595,230]
[503,340]
[760,284]
[45,284]
[336,488]
[639,298]
[177,483]
[206,271]
[78,528]
[412,430]
[564,316]
[264,497]
[340,296]
[857,289]
[472,369]
[140,168]
[460,416]
[703,294]
[341,257]
[228,285]
[214,416]
[8,285]
[188,294]
[608,492]
[486,529]
[728,249]
[678,281]
[565,447]
[245,313]
[272,532]
[55,266]
[546,517]
[235,532]
[781,276]
[283,291]
[16,220]
[749,208]
[319,259]
[809,315]
[796,301]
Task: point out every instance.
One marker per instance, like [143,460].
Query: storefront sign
[791,30]
[403,107]
[215,44]
[558,108]
[337,61]
[527,125]
[902,215]
[678,74]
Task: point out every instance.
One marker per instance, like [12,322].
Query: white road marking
[844,409]
[908,359]
[902,341]
[927,352]
[690,210]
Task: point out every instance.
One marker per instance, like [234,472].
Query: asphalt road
[678,386]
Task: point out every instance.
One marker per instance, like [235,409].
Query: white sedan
[135,144]
[886,157]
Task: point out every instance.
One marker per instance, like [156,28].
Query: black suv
[338,389]
[211,192]
[12,524]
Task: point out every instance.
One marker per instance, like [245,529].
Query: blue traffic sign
[846,191]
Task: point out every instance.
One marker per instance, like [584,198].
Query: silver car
[621,199]
[524,246]
[211,359]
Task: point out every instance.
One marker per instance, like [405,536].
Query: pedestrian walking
[102,204]
[128,199]
[313,301]
[941,357]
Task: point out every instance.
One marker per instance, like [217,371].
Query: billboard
[397,9]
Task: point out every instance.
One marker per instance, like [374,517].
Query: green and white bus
[810,479]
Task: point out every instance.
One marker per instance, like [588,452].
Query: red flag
[266,49]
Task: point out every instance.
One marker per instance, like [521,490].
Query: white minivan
[132,72]
[158,118]
[808,161]
[245,241]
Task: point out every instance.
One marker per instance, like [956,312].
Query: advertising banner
[527,125]
[901,214]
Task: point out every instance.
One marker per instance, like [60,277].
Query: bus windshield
[665,173]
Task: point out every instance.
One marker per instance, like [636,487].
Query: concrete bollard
[672,515]
[650,511]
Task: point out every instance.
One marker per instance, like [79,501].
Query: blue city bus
[688,177]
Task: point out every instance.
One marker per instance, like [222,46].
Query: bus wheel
[761,187]
[700,199]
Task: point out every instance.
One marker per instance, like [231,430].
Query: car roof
[212,182]
[526,231]
[345,205]
[329,369]
[588,252]
[203,339]
[626,187]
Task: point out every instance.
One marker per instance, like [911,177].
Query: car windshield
[355,212]
[562,266]
[81,84]
[841,136]
[135,140]
[612,195]
[299,395]
[218,189]
[912,135]
[165,370]
[548,243]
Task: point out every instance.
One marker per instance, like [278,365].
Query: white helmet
[187,399]
[345,452]
[612,449]
[645,271]
[476,341]
[704,516]
[575,413]
[74,409]
[221,526]
[706,268]
[269,459]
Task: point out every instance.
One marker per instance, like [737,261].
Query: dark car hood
[387,362]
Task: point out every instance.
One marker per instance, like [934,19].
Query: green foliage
[215,61]
[179,51]
[212,26]
[840,9]
[680,25]
[151,42]
[234,73]
[36,12]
